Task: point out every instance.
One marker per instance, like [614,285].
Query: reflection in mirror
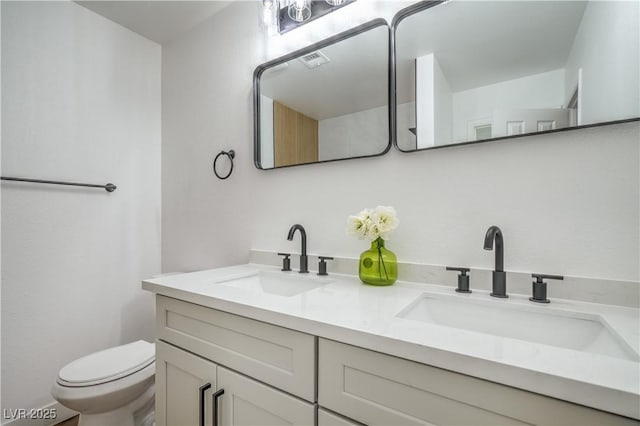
[470,71]
[326,102]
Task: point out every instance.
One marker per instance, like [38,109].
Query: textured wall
[80,102]
[567,203]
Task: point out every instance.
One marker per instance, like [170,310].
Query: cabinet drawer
[278,356]
[379,389]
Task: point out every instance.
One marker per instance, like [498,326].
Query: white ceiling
[160,21]
[354,80]
[476,42]
[484,42]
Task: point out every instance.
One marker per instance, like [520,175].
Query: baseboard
[55,409]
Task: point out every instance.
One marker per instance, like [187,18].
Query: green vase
[378,266]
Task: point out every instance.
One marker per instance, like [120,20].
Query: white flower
[365,215]
[373,232]
[386,218]
[357,227]
[373,224]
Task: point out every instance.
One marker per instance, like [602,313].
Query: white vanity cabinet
[247,402]
[327,418]
[379,389]
[273,375]
[281,357]
[186,386]
[182,380]
[229,348]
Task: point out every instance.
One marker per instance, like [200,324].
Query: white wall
[207,107]
[434,103]
[607,49]
[425,101]
[0,210]
[567,203]
[545,90]
[80,102]
[352,135]
[443,106]
[267,159]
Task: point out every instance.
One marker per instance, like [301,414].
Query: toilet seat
[116,379]
[107,365]
[106,396]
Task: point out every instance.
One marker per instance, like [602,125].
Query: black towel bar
[108,187]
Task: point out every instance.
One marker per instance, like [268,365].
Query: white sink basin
[285,284]
[570,330]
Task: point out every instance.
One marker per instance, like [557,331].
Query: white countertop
[348,311]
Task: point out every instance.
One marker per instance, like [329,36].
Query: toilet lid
[108,365]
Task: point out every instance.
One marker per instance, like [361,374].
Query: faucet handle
[463,279]
[539,287]
[322,265]
[286,261]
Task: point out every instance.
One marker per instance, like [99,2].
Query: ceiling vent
[314,59]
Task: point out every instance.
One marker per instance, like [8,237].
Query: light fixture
[299,10]
[269,18]
[285,15]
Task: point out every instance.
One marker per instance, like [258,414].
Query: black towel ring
[231,154]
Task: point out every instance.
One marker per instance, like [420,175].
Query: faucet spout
[495,234]
[499,281]
[303,236]
[303,253]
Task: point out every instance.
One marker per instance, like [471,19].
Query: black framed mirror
[468,72]
[329,101]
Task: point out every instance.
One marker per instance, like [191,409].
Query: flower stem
[380,244]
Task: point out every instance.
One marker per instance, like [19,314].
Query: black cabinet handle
[203,389]
[215,406]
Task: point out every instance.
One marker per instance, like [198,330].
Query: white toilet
[114,387]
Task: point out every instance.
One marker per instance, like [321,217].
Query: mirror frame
[379,22]
[427,4]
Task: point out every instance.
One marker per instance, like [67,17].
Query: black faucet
[499,276]
[303,254]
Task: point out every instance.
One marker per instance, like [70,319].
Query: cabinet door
[247,402]
[184,384]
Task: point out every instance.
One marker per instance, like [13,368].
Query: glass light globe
[300,10]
